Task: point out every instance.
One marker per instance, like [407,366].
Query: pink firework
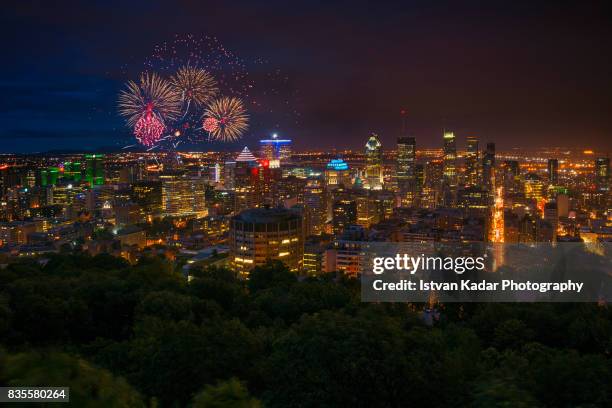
[210,124]
[148,129]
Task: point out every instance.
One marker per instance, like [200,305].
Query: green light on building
[94,173]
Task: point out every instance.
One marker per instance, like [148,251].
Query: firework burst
[231,119]
[148,130]
[210,125]
[194,85]
[153,96]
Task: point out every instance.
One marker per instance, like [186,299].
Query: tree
[89,386]
[231,393]
[272,274]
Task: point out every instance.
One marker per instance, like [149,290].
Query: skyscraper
[510,176]
[553,172]
[374,168]
[315,202]
[275,148]
[262,234]
[337,173]
[406,160]
[602,174]
[450,159]
[344,213]
[471,161]
[246,181]
[95,169]
[182,196]
[488,166]
[148,195]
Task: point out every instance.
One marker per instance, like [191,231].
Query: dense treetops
[140,335]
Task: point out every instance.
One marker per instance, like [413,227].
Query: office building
[488,167]
[374,163]
[262,234]
[406,160]
[275,149]
[471,161]
[337,173]
[553,172]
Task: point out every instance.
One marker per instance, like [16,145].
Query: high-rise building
[367,213]
[182,196]
[510,176]
[275,149]
[471,161]
[602,174]
[551,215]
[94,171]
[262,234]
[534,187]
[337,173]
[72,171]
[406,160]
[473,200]
[148,195]
[246,181]
[315,201]
[488,166]
[270,186]
[374,163]
[450,159]
[49,176]
[344,213]
[553,172]
[432,187]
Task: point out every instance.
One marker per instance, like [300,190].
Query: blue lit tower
[275,148]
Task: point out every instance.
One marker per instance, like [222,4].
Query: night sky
[518,74]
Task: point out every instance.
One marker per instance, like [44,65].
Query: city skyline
[500,73]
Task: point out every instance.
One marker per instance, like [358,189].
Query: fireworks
[153,97]
[195,85]
[196,74]
[148,129]
[230,116]
[210,125]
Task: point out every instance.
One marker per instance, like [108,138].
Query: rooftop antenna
[403,115]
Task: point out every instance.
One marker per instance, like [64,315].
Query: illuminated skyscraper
[94,172]
[374,163]
[432,188]
[450,159]
[344,213]
[315,202]
[148,195]
[471,161]
[534,187]
[510,176]
[245,181]
[72,171]
[367,213]
[275,149]
[406,160]
[553,172]
[602,174]
[49,176]
[337,173]
[182,196]
[488,166]
[262,234]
